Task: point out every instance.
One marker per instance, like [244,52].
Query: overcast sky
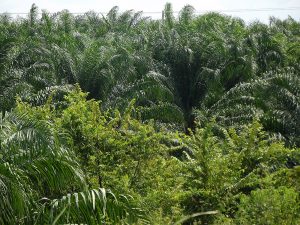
[23,6]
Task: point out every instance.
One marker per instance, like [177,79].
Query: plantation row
[121,119]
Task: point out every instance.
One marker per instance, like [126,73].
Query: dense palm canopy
[122,119]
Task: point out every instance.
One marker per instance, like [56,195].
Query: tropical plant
[38,167]
[280,114]
[183,119]
[224,165]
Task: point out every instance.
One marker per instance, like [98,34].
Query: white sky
[23,6]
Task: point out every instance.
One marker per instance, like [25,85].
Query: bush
[270,206]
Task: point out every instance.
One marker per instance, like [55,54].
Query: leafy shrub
[269,206]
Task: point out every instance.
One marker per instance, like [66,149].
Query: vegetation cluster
[122,119]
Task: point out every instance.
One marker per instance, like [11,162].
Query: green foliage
[223,168]
[176,68]
[269,206]
[96,206]
[188,119]
[34,163]
[123,154]
[39,164]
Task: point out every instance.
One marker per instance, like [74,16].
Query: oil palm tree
[279,113]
